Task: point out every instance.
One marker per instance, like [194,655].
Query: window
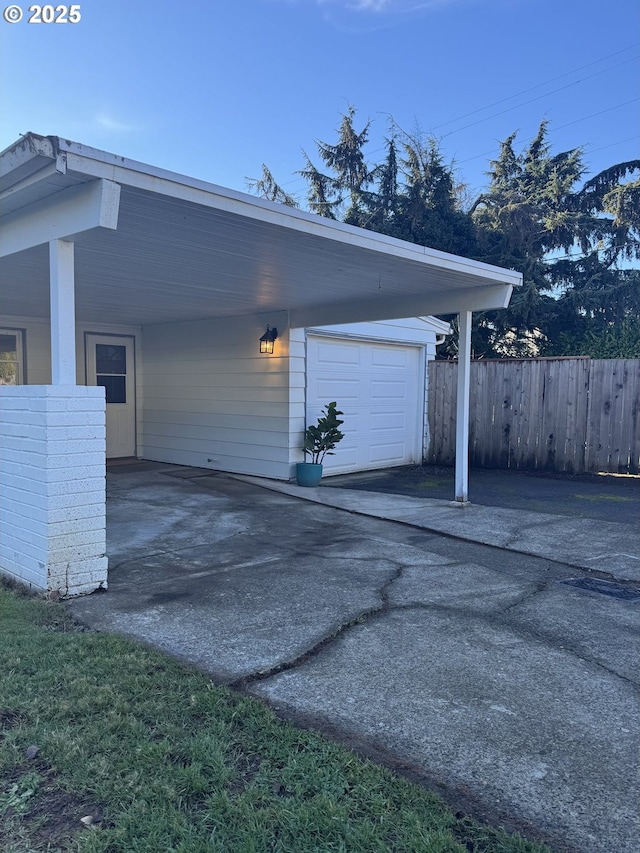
[11,357]
[111,371]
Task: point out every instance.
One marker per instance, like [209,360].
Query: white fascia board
[62,216]
[28,181]
[29,145]
[28,156]
[100,164]
[91,162]
[440,327]
[390,308]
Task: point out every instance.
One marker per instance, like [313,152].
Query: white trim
[62,216]
[490,296]
[93,337]
[421,423]
[63,312]
[85,160]
[462,409]
[210,195]
[21,367]
[354,336]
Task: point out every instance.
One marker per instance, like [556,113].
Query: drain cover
[603,587]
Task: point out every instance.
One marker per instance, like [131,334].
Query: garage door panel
[391,453]
[379,387]
[388,357]
[326,390]
[388,421]
[383,390]
[345,458]
[330,352]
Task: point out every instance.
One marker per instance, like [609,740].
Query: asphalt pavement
[607,497]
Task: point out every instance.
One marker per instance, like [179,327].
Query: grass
[156,759]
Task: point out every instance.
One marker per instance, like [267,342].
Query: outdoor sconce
[266,341]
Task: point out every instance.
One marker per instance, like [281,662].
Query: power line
[538,85]
[299,181]
[532,100]
[568,124]
[601,112]
[613,144]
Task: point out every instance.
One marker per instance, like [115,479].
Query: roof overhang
[154,247]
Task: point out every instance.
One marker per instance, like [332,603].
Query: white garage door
[380,389]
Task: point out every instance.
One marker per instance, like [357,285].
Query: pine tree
[575,244]
[568,241]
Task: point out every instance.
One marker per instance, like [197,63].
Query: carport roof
[186,249]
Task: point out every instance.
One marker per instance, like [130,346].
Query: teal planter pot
[308,473]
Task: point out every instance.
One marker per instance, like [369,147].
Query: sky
[214,88]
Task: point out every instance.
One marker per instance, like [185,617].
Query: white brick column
[52,487]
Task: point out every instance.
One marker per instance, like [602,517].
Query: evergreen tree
[267,187]
[428,211]
[574,244]
[568,241]
[339,194]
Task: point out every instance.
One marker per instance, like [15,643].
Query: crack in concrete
[174,551]
[553,641]
[312,652]
[385,607]
[541,586]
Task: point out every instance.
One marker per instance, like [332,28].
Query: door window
[111,371]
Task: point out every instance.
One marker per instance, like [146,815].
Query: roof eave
[100,164]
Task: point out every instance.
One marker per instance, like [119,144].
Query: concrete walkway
[607,548]
[506,676]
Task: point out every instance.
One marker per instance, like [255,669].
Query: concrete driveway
[506,680]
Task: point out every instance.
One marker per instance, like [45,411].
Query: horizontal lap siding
[37,343]
[569,414]
[212,401]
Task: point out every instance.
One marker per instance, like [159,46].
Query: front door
[110,363]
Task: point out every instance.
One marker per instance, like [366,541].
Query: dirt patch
[38,814]
[10,718]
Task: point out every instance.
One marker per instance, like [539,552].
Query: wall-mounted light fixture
[266,341]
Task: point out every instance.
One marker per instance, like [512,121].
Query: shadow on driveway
[604,497]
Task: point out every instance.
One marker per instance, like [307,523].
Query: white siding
[412,330]
[212,401]
[38,345]
[297,396]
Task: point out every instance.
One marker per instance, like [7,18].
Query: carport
[90,239]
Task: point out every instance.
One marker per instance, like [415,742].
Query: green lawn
[158,759]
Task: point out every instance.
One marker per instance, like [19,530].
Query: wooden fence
[554,414]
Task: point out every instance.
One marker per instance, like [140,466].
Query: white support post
[462,409]
[63,313]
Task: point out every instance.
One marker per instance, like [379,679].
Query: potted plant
[319,441]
